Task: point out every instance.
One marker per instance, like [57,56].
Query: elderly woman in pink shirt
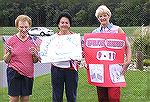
[20,55]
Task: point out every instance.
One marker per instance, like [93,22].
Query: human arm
[35,56]
[128,53]
[7,51]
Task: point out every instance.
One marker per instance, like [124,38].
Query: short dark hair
[64,14]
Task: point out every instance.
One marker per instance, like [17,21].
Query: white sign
[97,73]
[116,73]
[60,48]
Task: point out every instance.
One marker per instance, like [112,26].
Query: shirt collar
[109,26]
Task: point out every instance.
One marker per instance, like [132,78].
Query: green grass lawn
[137,89]
[1,50]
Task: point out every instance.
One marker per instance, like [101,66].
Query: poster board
[104,52]
[60,48]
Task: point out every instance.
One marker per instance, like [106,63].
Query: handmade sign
[104,52]
[60,48]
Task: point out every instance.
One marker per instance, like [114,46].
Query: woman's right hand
[84,64]
[8,54]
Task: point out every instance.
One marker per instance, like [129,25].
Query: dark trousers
[108,94]
[64,77]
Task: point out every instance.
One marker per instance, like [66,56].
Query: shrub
[146,62]
[142,42]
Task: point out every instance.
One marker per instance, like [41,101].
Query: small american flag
[74,64]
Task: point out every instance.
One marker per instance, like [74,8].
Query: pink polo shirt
[21,59]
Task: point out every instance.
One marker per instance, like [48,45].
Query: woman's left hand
[125,67]
[33,50]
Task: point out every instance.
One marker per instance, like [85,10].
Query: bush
[146,62]
[142,42]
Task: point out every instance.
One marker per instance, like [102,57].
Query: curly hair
[23,18]
[65,14]
[102,9]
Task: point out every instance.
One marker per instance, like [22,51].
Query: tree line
[45,12]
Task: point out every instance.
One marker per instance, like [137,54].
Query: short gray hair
[102,9]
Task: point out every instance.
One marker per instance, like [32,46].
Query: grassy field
[1,50]
[137,90]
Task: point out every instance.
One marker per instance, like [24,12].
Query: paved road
[40,69]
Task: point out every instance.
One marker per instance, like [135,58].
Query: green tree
[45,12]
[81,18]
[131,13]
[146,13]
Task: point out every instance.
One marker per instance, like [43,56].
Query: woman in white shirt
[63,73]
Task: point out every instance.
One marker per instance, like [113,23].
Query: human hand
[8,53]
[9,49]
[35,54]
[33,50]
[125,67]
[84,64]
